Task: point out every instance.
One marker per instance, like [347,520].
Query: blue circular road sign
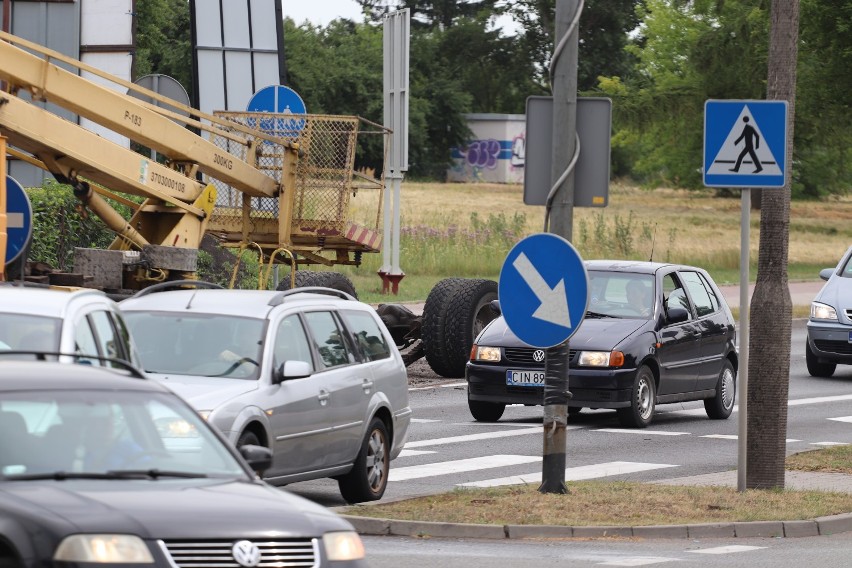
[279,99]
[19,220]
[543,290]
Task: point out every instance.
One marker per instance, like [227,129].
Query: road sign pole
[556,397]
[742,373]
[564,77]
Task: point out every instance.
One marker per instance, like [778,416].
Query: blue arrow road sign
[543,290]
[19,220]
[745,143]
[279,99]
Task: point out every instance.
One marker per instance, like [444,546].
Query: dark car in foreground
[102,467]
[830,323]
[654,333]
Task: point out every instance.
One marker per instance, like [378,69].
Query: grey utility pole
[560,212]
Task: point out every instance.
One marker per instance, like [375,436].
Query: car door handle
[323,397]
[367,385]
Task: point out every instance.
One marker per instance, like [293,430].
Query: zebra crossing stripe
[573,473]
[458,466]
[479,436]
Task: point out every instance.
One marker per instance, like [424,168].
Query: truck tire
[324,278]
[456,310]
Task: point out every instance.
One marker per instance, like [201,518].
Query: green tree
[163,41]
[432,14]
[605,26]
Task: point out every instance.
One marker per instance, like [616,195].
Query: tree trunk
[771,307]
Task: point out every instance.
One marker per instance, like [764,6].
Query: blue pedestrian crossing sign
[745,143]
[543,290]
[19,220]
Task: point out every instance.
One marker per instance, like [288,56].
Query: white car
[61,320]
[311,373]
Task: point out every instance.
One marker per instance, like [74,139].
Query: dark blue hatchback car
[654,333]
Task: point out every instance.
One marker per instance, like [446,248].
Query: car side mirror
[677,315]
[292,370]
[495,307]
[259,458]
[826,273]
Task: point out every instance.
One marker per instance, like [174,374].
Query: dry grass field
[473,226]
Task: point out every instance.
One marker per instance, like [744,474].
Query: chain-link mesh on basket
[323,173]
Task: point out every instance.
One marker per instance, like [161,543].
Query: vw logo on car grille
[538,355]
[246,553]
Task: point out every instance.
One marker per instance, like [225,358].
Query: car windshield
[82,433]
[198,344]
[25,332]
[621,294]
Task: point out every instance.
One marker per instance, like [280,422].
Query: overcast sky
[321,12]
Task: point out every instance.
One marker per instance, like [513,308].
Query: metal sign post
[397,38]
[544,294]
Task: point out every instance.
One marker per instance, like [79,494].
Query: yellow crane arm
[74,152]
[128,116]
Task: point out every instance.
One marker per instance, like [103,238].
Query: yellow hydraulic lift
[281,196]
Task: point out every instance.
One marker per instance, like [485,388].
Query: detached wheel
[456,310]
[485,411]
[815,368]
[369,476]
[324,278]
[720,406]
[642,401]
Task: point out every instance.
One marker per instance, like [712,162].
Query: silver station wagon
[311,373]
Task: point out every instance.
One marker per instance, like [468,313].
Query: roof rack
[171,284]
[80,359]
[281,296]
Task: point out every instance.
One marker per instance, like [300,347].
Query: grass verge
[608,503]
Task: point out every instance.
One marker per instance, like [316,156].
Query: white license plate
[525,378]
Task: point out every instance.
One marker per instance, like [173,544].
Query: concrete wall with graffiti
[496,153]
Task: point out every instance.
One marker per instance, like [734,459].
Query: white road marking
[423,420]
[797,402]
[448,386]
[642,431]
[573,473]
[735,437]
[638,561]
[842,419]
[727,549]
[829,443]
[476,437]
[820,399]
[411,453]
[457,466]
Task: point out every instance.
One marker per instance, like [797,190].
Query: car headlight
[600,359]
[482,353]
[103,548]
[823,312]
[343,546]
[176,428]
